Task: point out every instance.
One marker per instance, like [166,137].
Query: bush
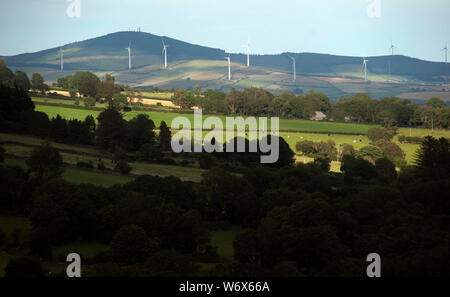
[130,245]
[89,102]
[391,150]
[123,167]
[24,267]
[375,134]
[149,153]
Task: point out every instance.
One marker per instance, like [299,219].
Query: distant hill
[191,64]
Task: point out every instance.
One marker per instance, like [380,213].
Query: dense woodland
[299,220]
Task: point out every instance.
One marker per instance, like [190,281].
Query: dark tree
[6,75]
[247,247]
[130,245]
[385,170]
[35,123]
[46,162]
[22,81]
[433,158]
[13,102]
[37,83]
[165,136]
[58,128]
[111,130]
[140,131]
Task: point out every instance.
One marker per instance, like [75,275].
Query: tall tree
[164,136]
[111,129]
[140,131]
[21,80]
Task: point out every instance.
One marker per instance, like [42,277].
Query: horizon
[232,53]
[325,27]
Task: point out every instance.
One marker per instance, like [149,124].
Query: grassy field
[420,132]
[163,96]
[87,250]
[80,176]
[32,140]
[157,117]
[223,240]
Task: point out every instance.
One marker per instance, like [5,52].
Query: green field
[223,240]
[77,175]
[87,250]
[151,95]
[157,117]
[80,176]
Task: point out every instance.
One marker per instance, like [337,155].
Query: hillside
[190,64]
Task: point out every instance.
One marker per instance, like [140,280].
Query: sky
[418,28]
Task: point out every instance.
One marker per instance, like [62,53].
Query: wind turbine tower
[229,66]
[62,59]
[445,49]
[392,48]
[248,53]
[164,52]
[365,68]
[129,56]
[293,64]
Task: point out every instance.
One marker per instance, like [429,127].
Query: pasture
[81,176]
[157,117]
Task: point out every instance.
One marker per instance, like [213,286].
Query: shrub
[123,167]
[390,150]
[89,102]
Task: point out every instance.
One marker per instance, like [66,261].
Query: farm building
[318,116]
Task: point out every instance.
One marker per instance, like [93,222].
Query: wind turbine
[392,47]
[293,64]
[129,56]
[365,68]
[445,49]
[62,59]
[229,66]
[248,53]
[164,52]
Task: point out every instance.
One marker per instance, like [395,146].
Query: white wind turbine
[392,48]
[62,59]
[445,49]
[164,52]
[364,66]
[229,66]
[248,53]
[129,56]
[293,64]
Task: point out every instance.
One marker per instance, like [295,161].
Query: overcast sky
[419,28]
